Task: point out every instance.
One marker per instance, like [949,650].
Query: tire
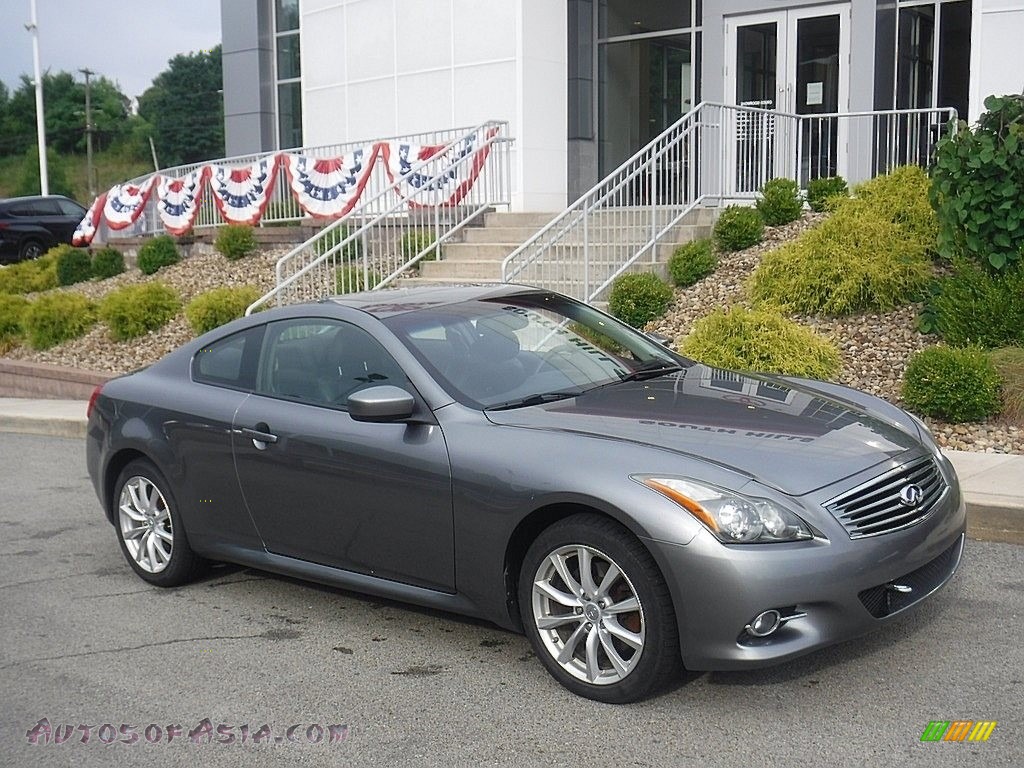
[145,511]
[30,249]
[588,632]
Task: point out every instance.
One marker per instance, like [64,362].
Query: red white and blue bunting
[330,187]
[86,230]
[242,194]
[125,203]
[449,175]
[178,200]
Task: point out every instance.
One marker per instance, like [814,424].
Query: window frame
[248,365]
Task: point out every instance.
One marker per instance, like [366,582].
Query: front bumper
[840,584]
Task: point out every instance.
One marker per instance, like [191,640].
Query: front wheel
[598,612]
[30,249]
[149,528]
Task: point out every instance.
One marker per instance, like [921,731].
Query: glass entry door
[787,66]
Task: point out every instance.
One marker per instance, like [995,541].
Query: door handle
[261,434]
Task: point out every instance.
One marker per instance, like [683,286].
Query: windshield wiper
[652,369]
[536,399]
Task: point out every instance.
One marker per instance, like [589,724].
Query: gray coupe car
[512,454]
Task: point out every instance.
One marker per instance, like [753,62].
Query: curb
[24,425]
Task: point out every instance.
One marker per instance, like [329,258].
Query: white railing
[282,208]
[714,155]
[407,220]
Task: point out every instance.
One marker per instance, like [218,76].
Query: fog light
[764,623]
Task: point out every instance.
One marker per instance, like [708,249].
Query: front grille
[884,600]
[875,507]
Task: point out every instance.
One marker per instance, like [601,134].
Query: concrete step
[531,220]
[498,234]
[607,233]
[412,282]
[477,251]
[460,270]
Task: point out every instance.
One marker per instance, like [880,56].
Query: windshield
[523,350]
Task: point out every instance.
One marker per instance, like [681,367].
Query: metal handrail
[387,209]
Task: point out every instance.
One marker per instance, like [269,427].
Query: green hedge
[158,252]
[738,227]
[349,279]
[638,298]
[1009,364]
[974,306]
[221,305]
[138,309]
[952,384]
[55,318]
[414,241]
[12,313]
[235,241]
[107,262]
[29,276]
[73,264]
[691,262]
[780,202]
[823,194]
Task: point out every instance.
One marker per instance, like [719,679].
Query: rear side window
[35,208]
[231,361]
[69,208]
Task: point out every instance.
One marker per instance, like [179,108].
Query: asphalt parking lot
[85,642]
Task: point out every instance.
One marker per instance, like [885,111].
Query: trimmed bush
[137,309]
[107,262]
[157,252]
[821,193]
[73,265]
[350,279]
[29,276]
[952,384]
[638,298]
[901,196]
[352,250]
[978,186]
[56,318]
[221,305]
[12,311]
[738,227]
[974,306]
[692,262]
[757,340]
[235,241]
[1009,364]
[780,202]
[414,241]
[856,260]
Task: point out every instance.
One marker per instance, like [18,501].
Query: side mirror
[381,404]
[657,338]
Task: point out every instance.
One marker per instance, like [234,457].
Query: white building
[585,83]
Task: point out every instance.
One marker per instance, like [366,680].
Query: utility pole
[33,28]
[88,132]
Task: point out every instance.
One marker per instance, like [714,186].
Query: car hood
[788,436]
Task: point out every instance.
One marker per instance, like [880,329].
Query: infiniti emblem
[911,495]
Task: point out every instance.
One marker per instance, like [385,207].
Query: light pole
[88,132]
[33,28]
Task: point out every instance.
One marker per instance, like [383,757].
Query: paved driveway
[84,642]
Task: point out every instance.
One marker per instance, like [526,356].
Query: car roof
[32,198]
[398,301]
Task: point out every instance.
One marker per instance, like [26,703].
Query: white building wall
[997,53]
[376,68]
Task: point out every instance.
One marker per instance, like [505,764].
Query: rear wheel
[149,528]
[598,612]
[30,249]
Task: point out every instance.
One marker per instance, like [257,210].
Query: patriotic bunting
[178,200]
[447,180]
[86,230]
[125,203]
[329,188]
[242,194]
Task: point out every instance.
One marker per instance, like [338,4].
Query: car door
[71,215]
[366,497]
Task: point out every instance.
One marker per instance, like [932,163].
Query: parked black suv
[30,226]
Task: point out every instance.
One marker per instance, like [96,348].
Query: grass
[111,168]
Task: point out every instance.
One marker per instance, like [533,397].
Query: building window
[288,68]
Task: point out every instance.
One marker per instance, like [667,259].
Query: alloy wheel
[146,526]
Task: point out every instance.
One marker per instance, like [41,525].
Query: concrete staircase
[477,256]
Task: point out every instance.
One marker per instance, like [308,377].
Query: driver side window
[321,362]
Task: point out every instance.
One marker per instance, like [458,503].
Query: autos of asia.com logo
[958,730]
[205,732]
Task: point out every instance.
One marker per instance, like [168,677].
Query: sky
[127,42]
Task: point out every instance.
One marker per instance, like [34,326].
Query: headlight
[927,436]
[733,518]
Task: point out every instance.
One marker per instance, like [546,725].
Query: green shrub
[901,196]
[780,202]
[157,252]
[349,279]
[691,262]
[978,186]
[235,241]
[820,192]
[29,276]
[738,227]
[952,384]
[758,340]
[1009,364]
[857,259]
[352,250]
[73,264]
[638,298]
[414,241]
[221,305]
[12,312]
[107,262]
[55,318]
[137,309]
[975,306]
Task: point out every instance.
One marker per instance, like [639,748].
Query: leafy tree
[186,110]
[56,173]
